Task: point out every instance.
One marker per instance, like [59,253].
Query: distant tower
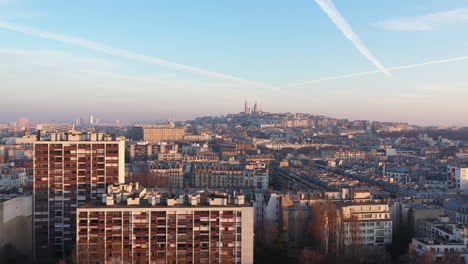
[257,107]
[247,109]
[91,119]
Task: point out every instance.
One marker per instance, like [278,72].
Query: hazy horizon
[148,117]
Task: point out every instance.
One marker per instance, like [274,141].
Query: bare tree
[326,228]
[150,179]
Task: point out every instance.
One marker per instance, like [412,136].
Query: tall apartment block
[70,169]
[136,225]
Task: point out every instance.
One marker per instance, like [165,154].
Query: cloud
[122,53]
[329,8]
[58,63]
[427,22]
[391,69]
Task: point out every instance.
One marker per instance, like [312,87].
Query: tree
[326,229]
[150,179]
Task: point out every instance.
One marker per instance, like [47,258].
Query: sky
[398,60]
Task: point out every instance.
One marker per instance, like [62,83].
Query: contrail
[126,53]
[329,8]
[395,68]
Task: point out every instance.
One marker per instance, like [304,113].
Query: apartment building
[370,220]
[143,150]
[201,158]
[457,178]
[136,225]
[69,170]
[443,239]
[156,133]
[13,178]
[229,175]
[170,173]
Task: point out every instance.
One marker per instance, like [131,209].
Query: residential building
[138,225]
[170,174]
[156,133]
[457,178]
[143,150]
[16,222]
[69,170]
[443,240]
[374,225]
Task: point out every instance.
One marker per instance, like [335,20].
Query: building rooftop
[133,195]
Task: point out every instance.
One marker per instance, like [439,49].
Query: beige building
[156,133]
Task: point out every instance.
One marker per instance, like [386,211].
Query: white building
[374,225]
[13,179]
[442,241]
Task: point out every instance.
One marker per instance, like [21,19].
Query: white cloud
[127,54]
[329,8]
[427,22]
[391,69]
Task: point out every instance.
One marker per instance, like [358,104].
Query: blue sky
[219,53]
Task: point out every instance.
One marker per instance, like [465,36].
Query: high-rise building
[70,169]
[136,225]
[91,119]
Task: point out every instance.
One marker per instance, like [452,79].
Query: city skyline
[167,61]
[249,108]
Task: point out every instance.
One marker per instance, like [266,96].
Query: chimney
[240,199]
[193,200]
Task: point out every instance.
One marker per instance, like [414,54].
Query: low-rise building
[374,226]
[16,222]
[444,241]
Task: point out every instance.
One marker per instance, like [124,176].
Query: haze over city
[368,60]
[234,132]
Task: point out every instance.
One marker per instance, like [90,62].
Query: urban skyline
[93,118]
[234,132]
[330,58]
